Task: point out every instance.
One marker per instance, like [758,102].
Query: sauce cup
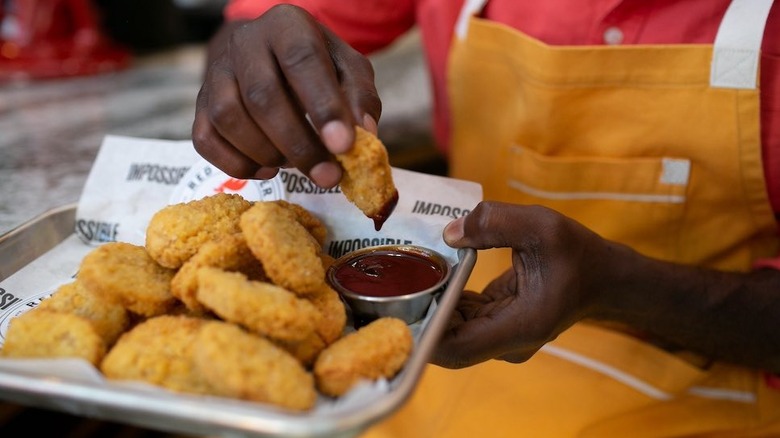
[389,280]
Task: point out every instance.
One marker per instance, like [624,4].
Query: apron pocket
[637,201]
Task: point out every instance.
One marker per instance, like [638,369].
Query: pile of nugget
[227,297]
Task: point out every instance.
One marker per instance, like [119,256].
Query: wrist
[619,283]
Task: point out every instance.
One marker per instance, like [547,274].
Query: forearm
[728,316]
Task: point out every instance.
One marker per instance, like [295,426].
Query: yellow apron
[640,144]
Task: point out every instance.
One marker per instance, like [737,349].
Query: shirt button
[613,36]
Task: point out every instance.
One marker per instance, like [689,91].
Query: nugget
[109,317]
[377,350]
[289,253]
[327,260]
[176,232]
[42,333]
[329,328]
[241,365]
[125,273]
[305,350]
[260,307]
[158,351]
[333,311]
[306,218]
[229,253]
[367,180]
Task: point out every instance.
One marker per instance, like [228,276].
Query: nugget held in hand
[159,351]
[368,178]
[260,307]
[242,365]
[176,232]
[45,334]
[289,253]
[126,274]
[377,350]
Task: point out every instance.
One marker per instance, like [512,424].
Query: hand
[557,267]
[269,76]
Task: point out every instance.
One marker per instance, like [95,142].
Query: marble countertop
[50,131]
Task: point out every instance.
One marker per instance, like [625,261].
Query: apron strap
[737,47]
[470,7]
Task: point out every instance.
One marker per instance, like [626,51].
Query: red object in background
[42,39]
[772,380]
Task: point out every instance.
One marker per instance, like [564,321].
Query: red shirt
[370,25]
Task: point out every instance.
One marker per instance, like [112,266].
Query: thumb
[453,232]
[489,225]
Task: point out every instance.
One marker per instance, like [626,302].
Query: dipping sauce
[388,273]
[384,213]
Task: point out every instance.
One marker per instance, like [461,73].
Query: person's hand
[557,267]
[283,91]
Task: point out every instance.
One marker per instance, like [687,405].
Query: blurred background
[74,71]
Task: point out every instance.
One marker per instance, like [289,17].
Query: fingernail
[336,136]
[454,231]
[325,174]
[369,124]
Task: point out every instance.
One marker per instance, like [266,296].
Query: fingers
[500,225]
[558,273]
[356,75]
[457,346]
[230,139]
[284,92]
[489,225]
[484,326]
[269,95]
[211,146]
[229,117]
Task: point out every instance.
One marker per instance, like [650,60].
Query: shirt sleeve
[368,25]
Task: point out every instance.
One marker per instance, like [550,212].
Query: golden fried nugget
[159,351]
[176,232]
[109,317]
[229,253]
[333,311]
[260,307]
[377,350]
[368,179]
[242,365]
[305,350]
[306,218]
[289,253]
[329,328]
[327,260]
[125,273]
[42,333]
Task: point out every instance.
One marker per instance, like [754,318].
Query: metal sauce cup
[389,280]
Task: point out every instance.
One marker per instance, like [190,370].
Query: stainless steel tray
[193,414]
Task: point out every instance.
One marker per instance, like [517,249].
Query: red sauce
[388,274]
[385,211]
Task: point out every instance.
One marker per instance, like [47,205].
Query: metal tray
[194,414]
